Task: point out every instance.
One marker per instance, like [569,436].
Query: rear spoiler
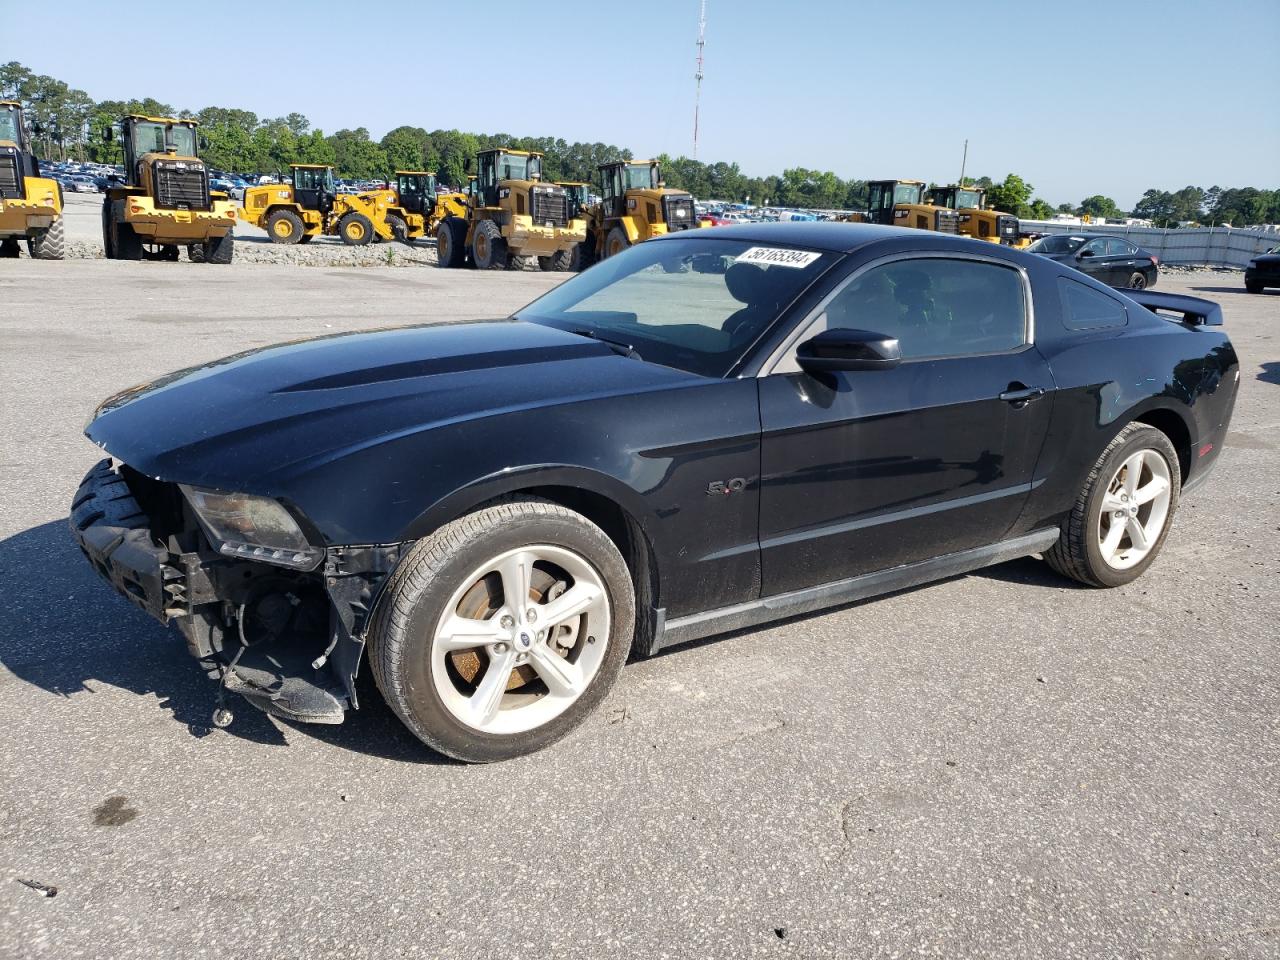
[1190,310]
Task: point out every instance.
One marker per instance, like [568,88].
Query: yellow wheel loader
[510,214]
[308,205]
[30,205]
[975,219]
[901,203]
[417,205]
[165,202]
[636,205]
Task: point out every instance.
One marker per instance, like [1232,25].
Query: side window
[937,307]
[1094,248]
[1118,248]
[1084,308]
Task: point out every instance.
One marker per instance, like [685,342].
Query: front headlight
[255,528]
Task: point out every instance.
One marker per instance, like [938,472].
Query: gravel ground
[999,765]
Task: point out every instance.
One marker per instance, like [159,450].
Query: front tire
[220,249]
[616,242]
[355,229]
[451,242]
[125,242]
[1252,287]
[1123,514]
[502,631]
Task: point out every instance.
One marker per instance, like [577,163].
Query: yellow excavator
[309,204]
[165,202]
[417,205]
[30,205]
[636,205]
[510,213]
[901,203]
[975,219]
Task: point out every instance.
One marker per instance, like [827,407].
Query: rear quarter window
[1084,308]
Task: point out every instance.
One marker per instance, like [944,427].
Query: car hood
[253,421]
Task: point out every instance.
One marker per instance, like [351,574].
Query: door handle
[1020,398]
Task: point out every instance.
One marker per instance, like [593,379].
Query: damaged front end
[268,613]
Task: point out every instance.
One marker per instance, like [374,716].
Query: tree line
[72,125]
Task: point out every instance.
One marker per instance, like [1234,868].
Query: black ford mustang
[709,431]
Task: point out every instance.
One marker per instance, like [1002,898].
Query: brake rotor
[483,601]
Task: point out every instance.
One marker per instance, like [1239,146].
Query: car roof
[826,235]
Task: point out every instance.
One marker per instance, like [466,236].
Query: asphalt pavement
[999,765]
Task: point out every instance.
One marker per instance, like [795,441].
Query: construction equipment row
[508,212]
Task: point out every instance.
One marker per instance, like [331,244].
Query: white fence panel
[1216,246]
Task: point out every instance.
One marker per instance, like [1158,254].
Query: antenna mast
[697,96]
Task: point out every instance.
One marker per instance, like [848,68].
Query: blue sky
[1083,96]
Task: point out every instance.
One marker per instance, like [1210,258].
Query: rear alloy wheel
[1137,280]
[355,229]
[1122,517]
[502,631]
[488,249]
[285,226]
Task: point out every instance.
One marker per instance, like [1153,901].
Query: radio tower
[697,96]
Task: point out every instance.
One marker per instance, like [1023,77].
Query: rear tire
[285,226]
[108,249]
[355,229]
[306,238]
[1109,491]
[10,249]
[195,252]
[1137,280]
[220,249]
[451,242]
[49,243]
[435,684]
[488,249]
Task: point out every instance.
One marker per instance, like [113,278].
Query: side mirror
[1084,253]
[203,142]
[37,128]
[842,349]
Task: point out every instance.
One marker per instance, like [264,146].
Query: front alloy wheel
[501,631]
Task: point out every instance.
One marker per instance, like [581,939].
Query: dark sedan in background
[1115,261]
[1263,271]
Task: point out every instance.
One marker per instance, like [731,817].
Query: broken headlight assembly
[252,528]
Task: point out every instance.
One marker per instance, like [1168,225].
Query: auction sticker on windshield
[778,257]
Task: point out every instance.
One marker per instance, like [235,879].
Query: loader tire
[399,229]
[125,243]
[284,226]
[616,242]
[451,242]
[49,243]
[306,238]
[10,249]
[355,229]
[488,249]
[220,249]
[108,250]
[583,255]
[195,252]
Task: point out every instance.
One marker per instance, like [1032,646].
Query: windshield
[906,193]
[639,177]
[149,137]
[313,178]
[513,166]
[9,124]
[1058,244]
[968,199]
[695,304]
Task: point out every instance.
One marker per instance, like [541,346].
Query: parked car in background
[708,431]
[1115,261]
[81,184]
[1263,271]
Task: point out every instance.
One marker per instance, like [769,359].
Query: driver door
[867,470]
